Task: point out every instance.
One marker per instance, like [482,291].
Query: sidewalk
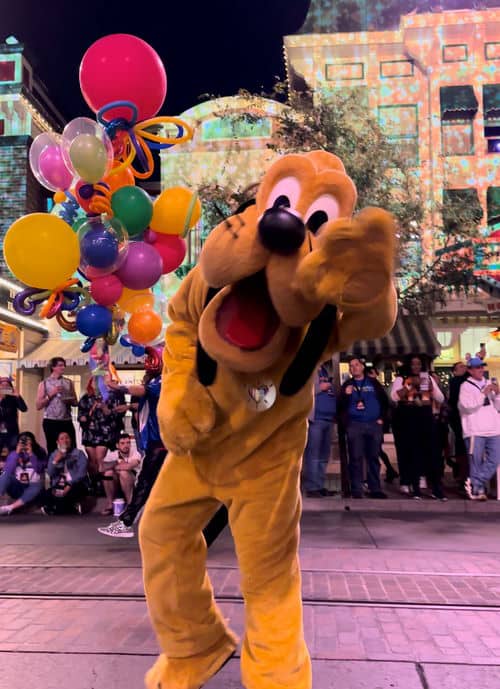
[392,600]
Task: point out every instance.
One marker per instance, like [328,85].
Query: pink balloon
[142,267]
[150,236]
[53,168]
[123,67]
[106,290]
[172,249]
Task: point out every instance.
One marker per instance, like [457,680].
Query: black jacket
[9,406]
[343,403]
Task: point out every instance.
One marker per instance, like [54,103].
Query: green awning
[461,207]
[457,102]
[491,101]
[493,202]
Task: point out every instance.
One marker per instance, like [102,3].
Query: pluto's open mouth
[247,318]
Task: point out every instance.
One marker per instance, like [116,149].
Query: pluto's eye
[284,194]
[315,221]
[323,210]
[282,202]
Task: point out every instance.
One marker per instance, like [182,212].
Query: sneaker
[391,475]
[404,489]
[439,495]
[78,508]
[45,511]
[314,494]
[475,493]
[377,495]
[423,483]
[117,530]
[5,510]
[417,495]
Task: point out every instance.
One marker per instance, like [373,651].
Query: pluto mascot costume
[279,287]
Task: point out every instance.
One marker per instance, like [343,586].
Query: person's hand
[19,448]
[66,490]
[121,408]
[491,387]
[380,422]
[348,390]
[58,456]
[324,387]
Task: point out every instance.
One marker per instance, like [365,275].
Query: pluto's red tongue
[246,317]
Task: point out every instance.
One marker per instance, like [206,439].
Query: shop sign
[9,337]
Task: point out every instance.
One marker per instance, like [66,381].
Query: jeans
[151,465]
[317,454]
[9,485]
[364,440]
[484,457]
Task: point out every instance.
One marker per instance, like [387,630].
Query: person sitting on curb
[122,465]
[67,471]
[479,406]
[23,475]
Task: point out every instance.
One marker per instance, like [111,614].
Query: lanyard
[359,389]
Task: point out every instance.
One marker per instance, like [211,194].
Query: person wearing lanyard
[363,405]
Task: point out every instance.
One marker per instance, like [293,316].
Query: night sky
[207,47]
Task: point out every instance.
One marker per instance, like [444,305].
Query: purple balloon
[150,236]
[142,267]
[53,168]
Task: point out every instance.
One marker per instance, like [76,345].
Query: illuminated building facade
[434,85]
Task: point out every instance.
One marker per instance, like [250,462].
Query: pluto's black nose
[281,232]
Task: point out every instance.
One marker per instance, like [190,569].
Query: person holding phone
[11,403]
[479,406]
[415,433]
[67,471]
[23,475]
[56,395]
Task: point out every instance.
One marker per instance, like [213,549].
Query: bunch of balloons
[91,264]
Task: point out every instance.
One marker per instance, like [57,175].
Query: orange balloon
[132,300]
[144,326]
[117,180]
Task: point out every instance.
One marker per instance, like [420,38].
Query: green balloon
[133,207]
[89,157]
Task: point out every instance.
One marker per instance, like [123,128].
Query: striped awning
[457,102]
[410,335]
[70,351]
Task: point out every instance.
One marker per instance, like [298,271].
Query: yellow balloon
[171,210]
[41,250]
[89,157]
[133,300]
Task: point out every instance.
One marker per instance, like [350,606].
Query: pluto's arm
[352,268]
[185,409]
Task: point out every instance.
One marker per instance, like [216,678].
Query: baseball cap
[475,362]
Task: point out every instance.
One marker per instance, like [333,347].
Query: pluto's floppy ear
[353,264]
[206,367]
[309,355]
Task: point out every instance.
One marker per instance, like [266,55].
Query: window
[458,109]
[493,205]
[457,137]
[491,109]
[400,124]
[461,209]
[237,127]
[7,70]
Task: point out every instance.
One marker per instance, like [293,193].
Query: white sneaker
[404,489]
[423,483]
[117,530]
[474,494]
[5,510]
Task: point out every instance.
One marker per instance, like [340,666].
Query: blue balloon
[138,350]
[88,344]
[125,341]
[99,247]
[94,320]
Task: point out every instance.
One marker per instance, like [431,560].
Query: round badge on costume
[262,396]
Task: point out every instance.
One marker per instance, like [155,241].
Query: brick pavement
[339,633]
[317,586]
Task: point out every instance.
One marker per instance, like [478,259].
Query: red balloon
[106,290]
[123,67]
[172,249]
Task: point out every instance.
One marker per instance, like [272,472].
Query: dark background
[207,47]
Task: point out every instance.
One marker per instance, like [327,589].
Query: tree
[341,122]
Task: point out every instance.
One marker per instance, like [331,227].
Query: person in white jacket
[479,406]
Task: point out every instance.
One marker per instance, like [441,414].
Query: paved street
[392,600]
